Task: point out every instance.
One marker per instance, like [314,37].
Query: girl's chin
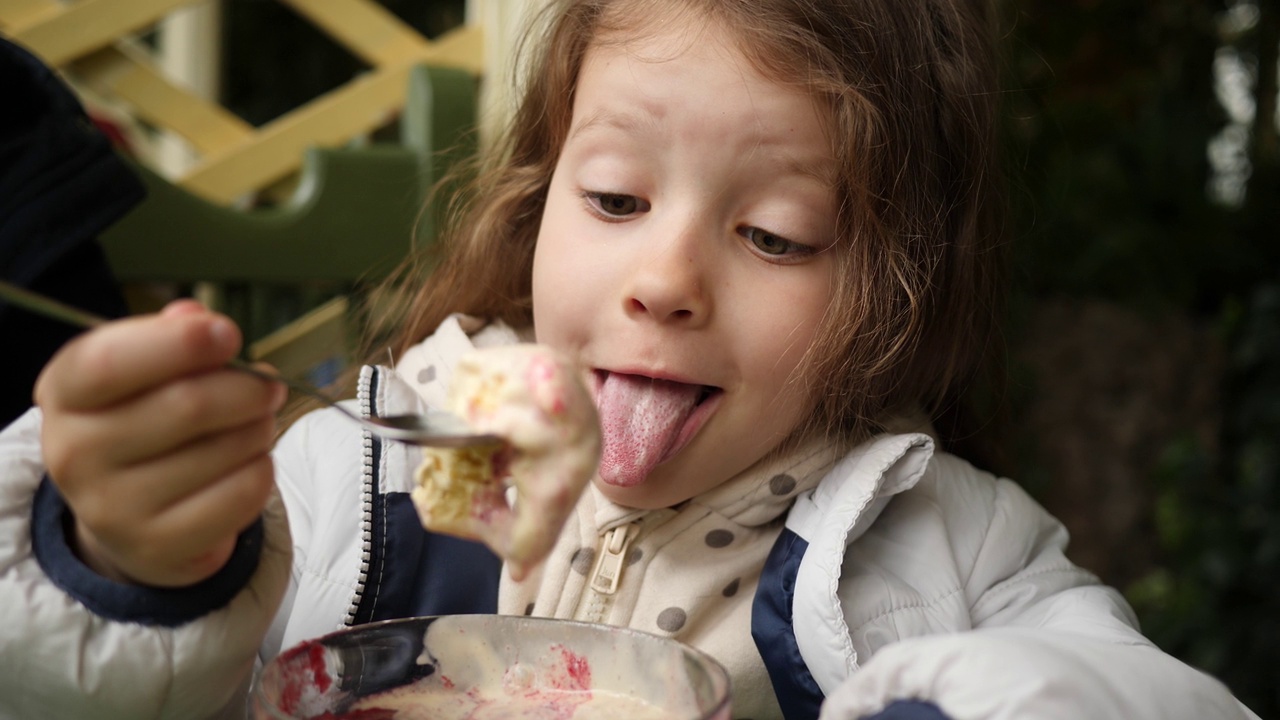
[640,496]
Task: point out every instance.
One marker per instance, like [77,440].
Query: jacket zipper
[610,561]
[369,480]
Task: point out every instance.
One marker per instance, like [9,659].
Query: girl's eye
[616,205]
[773,245]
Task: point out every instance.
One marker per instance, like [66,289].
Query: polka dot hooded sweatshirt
[688,572]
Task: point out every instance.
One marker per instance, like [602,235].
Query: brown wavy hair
[910,86]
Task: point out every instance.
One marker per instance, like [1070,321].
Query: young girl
[769,233]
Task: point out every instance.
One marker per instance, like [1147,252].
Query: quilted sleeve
[1047,641]
[75,645]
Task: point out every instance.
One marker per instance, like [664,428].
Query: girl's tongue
[640,420]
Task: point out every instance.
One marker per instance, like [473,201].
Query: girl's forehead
[648,46]
[653,37]
[698,106]
[664,35]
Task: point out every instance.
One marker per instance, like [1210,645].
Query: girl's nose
[669,287]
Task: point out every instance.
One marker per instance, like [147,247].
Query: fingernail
[182,306]
[224,334]
[280,396]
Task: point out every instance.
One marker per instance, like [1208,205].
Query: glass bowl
[476,667]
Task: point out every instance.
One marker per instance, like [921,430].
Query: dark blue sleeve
[61,185]
[166,607]
[909,710]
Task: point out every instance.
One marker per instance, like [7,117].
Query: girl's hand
[160,452]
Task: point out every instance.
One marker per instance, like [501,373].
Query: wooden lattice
[92,40]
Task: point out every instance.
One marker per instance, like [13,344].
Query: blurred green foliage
[1111,109]
[1214,601]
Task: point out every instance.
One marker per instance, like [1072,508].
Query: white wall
[502,23]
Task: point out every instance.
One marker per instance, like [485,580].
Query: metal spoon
[435,428]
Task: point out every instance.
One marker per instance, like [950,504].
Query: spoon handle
[442,429]
[48,306]
[74,316]
[295,385]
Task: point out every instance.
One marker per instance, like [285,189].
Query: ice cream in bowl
[477,667]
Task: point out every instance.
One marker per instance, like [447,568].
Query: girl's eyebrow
[822,172]
[630,123]
[646,122]
[819,168]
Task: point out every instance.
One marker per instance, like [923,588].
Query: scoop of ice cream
[531,397]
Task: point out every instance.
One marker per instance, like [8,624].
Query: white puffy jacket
[923,578]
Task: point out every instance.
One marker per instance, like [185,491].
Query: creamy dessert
[479,666]
[480,676]
[530,396]
[505,702]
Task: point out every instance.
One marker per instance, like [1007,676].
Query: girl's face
[684,258]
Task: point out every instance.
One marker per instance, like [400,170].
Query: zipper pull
[613,555]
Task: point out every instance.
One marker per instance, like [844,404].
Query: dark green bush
[1112,106]
[1215,599]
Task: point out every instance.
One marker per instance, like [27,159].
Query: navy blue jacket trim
[433,574]
[51,521]
[909,710]
[771,628]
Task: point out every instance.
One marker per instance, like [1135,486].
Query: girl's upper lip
[601,373]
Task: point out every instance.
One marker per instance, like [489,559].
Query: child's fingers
[171,522]
[84,449]
[183,306]
[171,479]
[178,413]
[120,505]
[209,520]
[123,358]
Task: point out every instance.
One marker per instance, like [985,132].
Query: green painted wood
[354,215]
